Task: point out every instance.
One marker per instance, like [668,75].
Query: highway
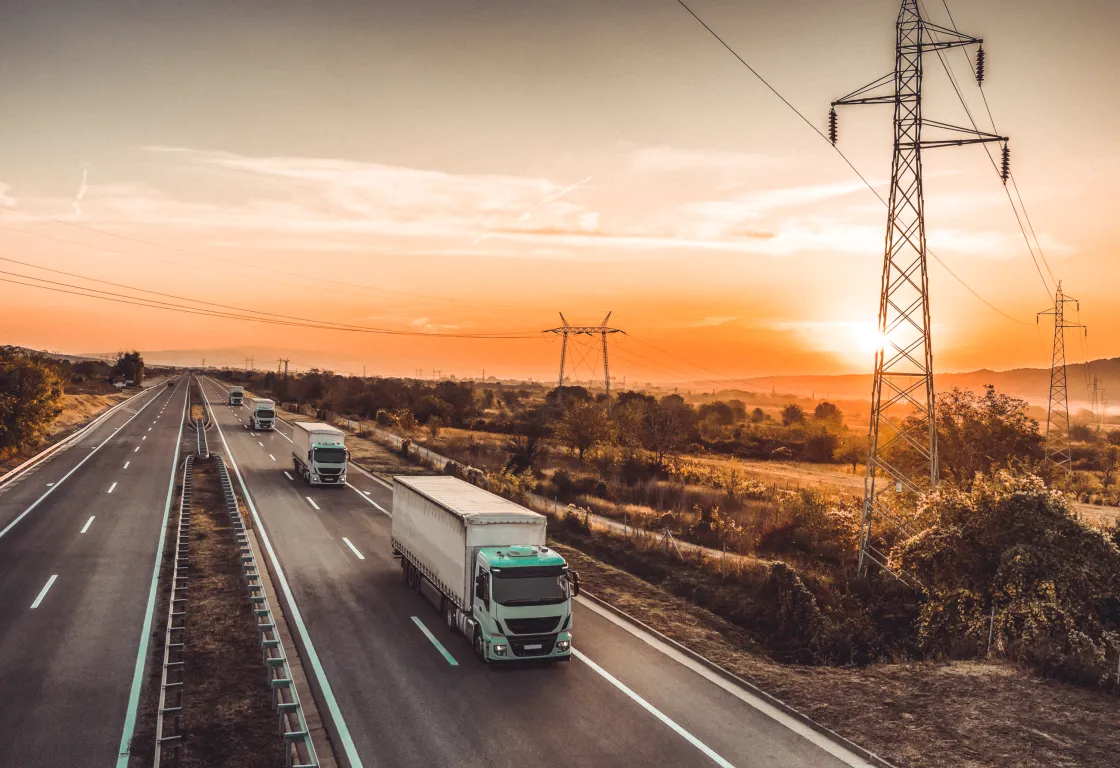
[402,689]
[79,537]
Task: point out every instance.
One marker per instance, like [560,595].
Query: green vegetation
[31,390]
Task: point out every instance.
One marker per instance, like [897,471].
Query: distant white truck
[319,453]
[486,560]
[262,413]
[236,395]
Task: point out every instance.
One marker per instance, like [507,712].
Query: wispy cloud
[642,208]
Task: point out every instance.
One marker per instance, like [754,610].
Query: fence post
[991,628]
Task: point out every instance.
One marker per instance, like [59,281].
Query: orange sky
[504,161]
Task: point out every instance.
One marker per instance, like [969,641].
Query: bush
[1013,544]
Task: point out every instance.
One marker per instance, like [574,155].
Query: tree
[821,447]
[718,412]
[758,415]
[1081,433]
[978,434]
[130,365]
[828,413]
[434,424]
[30,398]
[1110,462]
[793,414]
[664,430]
[583,426]
[1114,436]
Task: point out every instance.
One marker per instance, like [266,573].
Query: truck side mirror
[573,577]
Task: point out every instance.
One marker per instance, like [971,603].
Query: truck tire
[449,614]
[480,646]
[404,569]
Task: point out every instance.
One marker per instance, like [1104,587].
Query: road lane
[413,707]
[65,667]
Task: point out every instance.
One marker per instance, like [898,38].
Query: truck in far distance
[319,453]
[236,395]
[482,559]
[262,413]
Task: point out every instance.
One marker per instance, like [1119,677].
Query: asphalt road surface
[401,698]
[79,536]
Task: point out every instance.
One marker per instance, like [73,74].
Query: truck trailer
[262,413]
[236,395]
[319,453]
[484,558]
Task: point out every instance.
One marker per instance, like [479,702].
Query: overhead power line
[844,157]
[201,255]
[230,313]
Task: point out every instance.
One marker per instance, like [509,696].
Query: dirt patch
[77,411]
[228,719]
[917,715]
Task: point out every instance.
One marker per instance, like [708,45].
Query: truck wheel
[480,647]
[404,569]
[449,613]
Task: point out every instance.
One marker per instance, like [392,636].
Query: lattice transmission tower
[1057,411]
[903,381]
[602,329]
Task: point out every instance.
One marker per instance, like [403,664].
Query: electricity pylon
[601,329]
[1057,411]
[904,360]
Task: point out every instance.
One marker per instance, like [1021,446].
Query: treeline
[573,417]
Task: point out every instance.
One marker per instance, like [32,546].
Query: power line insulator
[981,60]
[832,123]
[1005,164]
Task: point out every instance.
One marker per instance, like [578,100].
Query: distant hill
[1030,384]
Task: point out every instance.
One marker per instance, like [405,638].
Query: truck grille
[546,643]
[533,626]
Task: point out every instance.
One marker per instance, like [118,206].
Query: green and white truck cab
[522,603]
[319,453]
[483,561]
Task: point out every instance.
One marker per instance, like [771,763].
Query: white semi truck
[319,453]
[262,413]
[236,395]
[483,559]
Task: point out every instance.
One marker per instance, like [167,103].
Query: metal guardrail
[169,736]
[200,432]
[299,751]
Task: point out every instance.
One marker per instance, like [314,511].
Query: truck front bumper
[527,647]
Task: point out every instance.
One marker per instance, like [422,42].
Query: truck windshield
[330,455]
[265,414]
[511,588]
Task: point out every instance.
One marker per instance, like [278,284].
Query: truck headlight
[563,645]
[499,650]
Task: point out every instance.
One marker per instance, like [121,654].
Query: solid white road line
[43,593]
[795,725]
[149,612]
[288,476]
[57,483]
[126,464]
[296,618]
[353,548]
[439,646]
[312,501]
[111,487]
[711,754]
[379,508]
[88,524]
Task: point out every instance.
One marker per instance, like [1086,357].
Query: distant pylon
[904,361]
[601,329]
[1057,411]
